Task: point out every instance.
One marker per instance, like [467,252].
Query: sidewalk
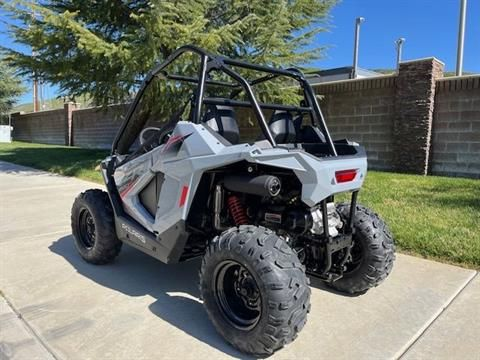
[138,308]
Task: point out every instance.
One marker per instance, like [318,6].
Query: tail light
[343,176]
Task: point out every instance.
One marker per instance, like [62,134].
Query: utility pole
[399,43]
[36,102]
[461,37]
[358,21]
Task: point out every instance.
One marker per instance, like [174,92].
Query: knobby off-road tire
[373,252]
[93,227]
[280,278]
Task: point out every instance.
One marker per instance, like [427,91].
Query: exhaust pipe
[262,185]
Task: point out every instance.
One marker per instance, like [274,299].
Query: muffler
[262,185]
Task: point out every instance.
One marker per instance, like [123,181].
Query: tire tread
[381,251]
[107,246]
[285,285]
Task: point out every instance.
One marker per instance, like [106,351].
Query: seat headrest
[221,119]
[282,127]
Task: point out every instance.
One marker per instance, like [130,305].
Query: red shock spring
[237,211]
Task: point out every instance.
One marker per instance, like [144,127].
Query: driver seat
[221,119]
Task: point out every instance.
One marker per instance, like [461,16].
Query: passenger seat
[282,127]
[221,119]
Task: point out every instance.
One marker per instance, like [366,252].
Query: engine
[259,200]
[301,221]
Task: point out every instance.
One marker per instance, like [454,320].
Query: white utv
[182,182]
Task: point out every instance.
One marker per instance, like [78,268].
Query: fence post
[414,103]
[69,108]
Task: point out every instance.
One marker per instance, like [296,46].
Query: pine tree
[10,88]
[103,48]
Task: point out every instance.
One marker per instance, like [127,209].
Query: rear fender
[317,175]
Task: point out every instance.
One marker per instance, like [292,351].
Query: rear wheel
[255,289]
[93,227]
[372,254]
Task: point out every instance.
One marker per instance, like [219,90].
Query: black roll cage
[214,62]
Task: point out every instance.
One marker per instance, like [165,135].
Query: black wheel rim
[237,295]
[87,228]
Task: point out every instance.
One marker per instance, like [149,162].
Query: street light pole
[399,43]
[358,21]
[461,37]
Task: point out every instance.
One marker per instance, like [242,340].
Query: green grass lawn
[68,161]
[431,216]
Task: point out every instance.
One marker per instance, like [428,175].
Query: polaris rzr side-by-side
[183,181]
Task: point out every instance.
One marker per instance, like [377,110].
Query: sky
[430,28]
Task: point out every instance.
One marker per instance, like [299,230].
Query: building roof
[345,72]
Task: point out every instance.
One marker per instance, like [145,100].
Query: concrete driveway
[56,306]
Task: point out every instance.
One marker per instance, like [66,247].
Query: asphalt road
[55,306]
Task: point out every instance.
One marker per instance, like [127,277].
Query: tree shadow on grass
[61,160]
[137,274]
[454,194]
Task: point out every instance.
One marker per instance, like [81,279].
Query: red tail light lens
[343,176]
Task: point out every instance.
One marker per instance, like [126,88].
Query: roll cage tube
[210,62]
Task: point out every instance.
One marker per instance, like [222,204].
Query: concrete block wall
[363,111]
[456,128]
[46,127]
[97,127]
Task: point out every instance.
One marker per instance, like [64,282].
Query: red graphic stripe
[174,139]
[129,187]
[183,196]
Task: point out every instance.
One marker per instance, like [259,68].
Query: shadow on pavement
[10,168]
[136,274]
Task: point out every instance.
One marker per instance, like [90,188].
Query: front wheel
[93,227]
[255,289]
[372,254]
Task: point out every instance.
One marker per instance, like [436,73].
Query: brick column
[414,102]
[69,108]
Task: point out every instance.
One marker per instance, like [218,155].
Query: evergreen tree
[10,88]
[103,48]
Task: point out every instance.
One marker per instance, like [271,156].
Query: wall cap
[422,59]
[104,108]
[471,76]
[41,112]
[353,80]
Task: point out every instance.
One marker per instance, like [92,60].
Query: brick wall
[96,127]
[47,127]
[456,127]
[362,110]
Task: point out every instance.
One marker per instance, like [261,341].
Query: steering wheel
[147,133]
[152,137]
